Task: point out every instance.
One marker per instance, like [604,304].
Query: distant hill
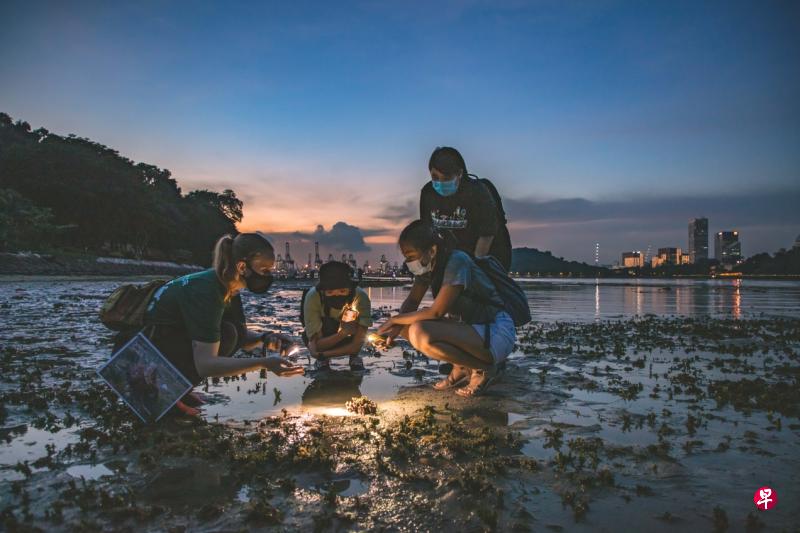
[783,262]
[70,193]
[537,263]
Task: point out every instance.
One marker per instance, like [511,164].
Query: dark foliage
[105,202]
[535,262]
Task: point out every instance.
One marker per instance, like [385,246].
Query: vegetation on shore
[76,194]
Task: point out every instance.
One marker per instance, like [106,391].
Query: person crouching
[336,314]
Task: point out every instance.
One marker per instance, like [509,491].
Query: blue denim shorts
[502,336]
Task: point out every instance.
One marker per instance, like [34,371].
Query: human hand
[386,327]
[393,333]
[277,342]
[282,367]
[348,328]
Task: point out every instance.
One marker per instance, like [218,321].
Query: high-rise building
[632,259]
[698,239]
[727,248]
[796,245]
[670,256]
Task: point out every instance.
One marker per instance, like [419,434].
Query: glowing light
[349,313]
[293,351]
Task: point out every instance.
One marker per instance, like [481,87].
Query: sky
[598,121]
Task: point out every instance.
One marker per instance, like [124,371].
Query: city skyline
[609,122]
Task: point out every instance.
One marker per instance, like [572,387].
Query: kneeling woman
[467,325]
[197,321]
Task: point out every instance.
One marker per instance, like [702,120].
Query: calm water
[587,299]
[49,317]
[60,317]
[57,320]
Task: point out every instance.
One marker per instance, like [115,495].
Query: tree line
[71,193]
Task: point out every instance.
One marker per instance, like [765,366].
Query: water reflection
[592,299]
[597,299]
[332,388]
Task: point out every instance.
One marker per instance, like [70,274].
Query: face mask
[417,268]
[445,188]
[257,283]
[337,302]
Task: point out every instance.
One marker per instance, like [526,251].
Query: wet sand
[615,422]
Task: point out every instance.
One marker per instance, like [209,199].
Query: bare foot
[478,383]
[185,409]
[457,377]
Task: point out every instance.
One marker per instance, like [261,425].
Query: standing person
[328,332]
[197,321]
[467,324]
[466,205]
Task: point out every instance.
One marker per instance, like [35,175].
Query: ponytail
[224,265]
[229,250]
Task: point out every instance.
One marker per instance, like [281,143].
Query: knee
[418,336]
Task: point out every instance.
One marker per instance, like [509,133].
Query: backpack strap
[498,202]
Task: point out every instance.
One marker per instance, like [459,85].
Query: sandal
[489,376]
[453,382]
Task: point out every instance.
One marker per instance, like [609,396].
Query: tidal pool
[665,403]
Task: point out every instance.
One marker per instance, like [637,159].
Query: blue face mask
[445,188]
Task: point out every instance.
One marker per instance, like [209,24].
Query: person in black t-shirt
[455,201]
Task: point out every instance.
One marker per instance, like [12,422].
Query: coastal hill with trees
[76,196]
[70,193]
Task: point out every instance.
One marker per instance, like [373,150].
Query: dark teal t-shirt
[196,302]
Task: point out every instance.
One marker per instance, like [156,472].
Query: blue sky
[316,113]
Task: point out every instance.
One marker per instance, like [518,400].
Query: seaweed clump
[361,405]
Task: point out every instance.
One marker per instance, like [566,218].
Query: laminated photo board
[144,379]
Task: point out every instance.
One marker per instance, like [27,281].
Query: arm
[485,217]
[252,341]
[351,348]
[444,300]
[320,344]
[210,365]
[483,245]
[415,296]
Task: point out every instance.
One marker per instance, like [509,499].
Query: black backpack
[514,299]
[501,245]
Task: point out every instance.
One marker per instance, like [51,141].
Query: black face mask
[337,302]
[257,283]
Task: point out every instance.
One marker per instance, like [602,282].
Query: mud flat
[649,422]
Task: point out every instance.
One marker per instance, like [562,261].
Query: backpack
[516,303]
[124,310]
[501,245]
[495,196]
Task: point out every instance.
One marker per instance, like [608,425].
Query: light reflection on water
[65,315]
[590,299]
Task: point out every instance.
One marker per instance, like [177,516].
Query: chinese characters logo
[765,498]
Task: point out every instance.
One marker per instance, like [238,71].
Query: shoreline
[18,278]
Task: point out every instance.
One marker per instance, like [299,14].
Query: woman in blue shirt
[466,325]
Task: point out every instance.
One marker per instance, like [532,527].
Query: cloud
[755,208]
[767,221]
[342,237]
[398,213]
